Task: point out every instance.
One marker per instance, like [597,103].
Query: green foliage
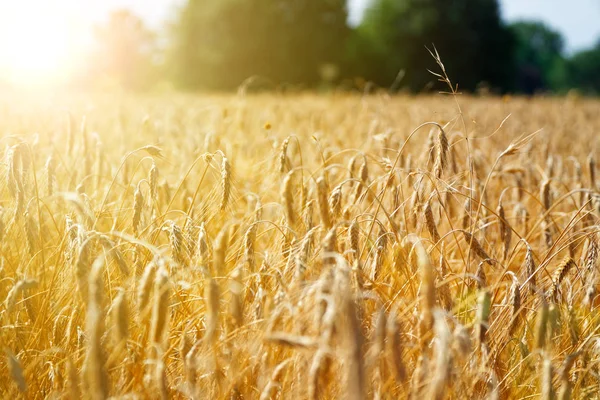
[222,44]
[539,55]
[584,70]
[218,44]
[469,35]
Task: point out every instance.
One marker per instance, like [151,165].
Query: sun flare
[35,46]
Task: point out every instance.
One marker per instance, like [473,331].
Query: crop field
[299,246]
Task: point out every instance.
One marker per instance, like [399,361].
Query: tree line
[273,44]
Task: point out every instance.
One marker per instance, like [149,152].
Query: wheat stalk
[225,183]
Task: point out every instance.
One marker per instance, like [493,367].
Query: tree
[218,44]
[539,57]
[474,44]
[123,52]
[584,70]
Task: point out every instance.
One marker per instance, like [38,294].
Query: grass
[299,246]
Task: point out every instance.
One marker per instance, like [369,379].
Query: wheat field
[299,246]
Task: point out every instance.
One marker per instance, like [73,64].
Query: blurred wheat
[295,246]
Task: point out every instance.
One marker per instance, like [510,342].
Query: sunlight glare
[36,42]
